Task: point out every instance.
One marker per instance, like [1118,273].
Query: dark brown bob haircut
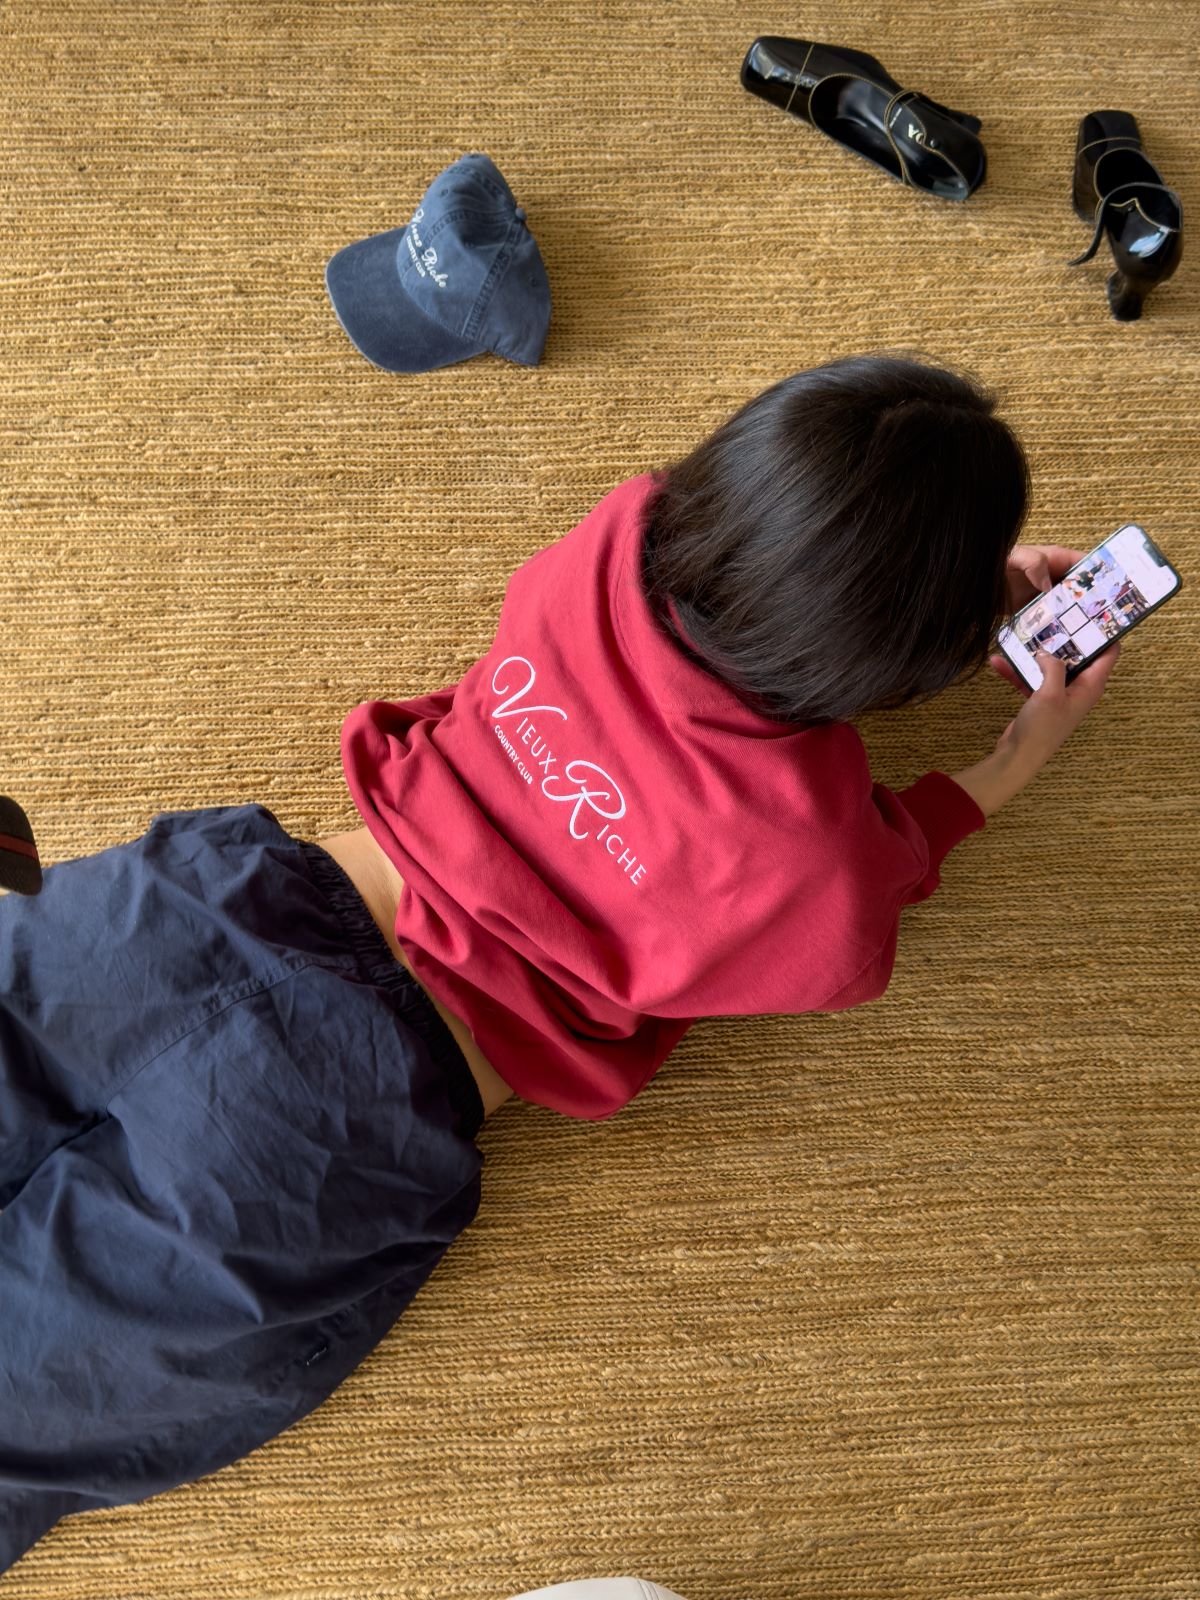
[838,545]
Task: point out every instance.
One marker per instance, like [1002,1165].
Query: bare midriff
[376,879]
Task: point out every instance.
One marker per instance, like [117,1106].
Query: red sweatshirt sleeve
[945,814]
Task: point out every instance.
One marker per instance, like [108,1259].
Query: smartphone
[1115,586]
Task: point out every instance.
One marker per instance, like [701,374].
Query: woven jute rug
[895,1303]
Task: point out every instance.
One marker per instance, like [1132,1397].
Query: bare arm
[1044,723]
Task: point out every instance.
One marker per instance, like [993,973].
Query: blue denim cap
[464,277]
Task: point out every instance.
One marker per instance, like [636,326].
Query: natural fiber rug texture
[895,1303]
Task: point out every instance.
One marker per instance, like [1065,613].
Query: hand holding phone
[1050,645]
[1048,718]
[1054,709]
[1033,569]
[1099,597]
[1061,687]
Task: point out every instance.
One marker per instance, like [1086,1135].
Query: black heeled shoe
[20,868]
[849,96]
[1118,189]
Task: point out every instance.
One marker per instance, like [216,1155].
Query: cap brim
[383,323]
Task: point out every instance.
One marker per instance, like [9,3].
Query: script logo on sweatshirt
[577,774]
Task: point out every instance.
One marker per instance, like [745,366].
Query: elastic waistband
[377,962]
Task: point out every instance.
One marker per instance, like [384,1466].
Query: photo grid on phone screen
[1079,615]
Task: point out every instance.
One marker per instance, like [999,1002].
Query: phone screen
[1102,595]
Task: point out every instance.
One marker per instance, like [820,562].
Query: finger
[1004,667]
[1060,560]
[1054,672]
[1030,560]
[1008,671]
[1038,573]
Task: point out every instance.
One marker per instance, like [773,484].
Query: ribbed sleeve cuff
[944,811]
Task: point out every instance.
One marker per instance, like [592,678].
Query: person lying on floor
[242,1073]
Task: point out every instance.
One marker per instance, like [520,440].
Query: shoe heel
[1126,296]
[771,70]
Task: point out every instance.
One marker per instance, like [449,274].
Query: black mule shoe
[1120,191]
[848,95]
